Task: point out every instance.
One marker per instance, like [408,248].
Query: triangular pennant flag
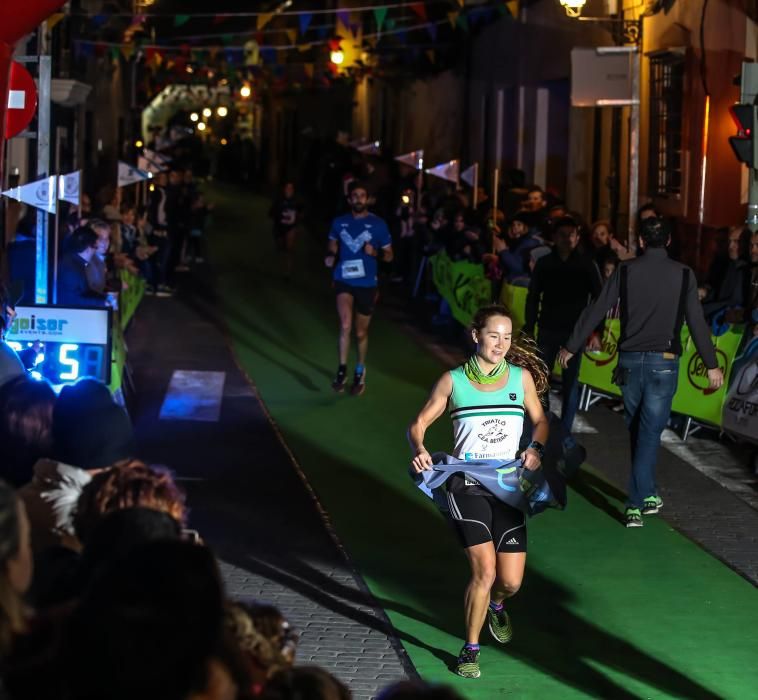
[127,51]
[415,159]
[430,55]
[52,20]
[40,194]
[181,20]
[308,69]
[291,35]
[343,16]
[156,157]
[263,19]
[513,8]
[462,22]
[148,166]
[432,29]
[470,175]
[68,187]
[304,21]
[100,20]
[371,149]
[380,14]
[452,17]
[304,47]
[461,3]
[115,53]
[391,23]
[128,175]
[420,9]
[445,171]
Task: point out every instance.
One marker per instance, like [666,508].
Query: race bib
[353,269]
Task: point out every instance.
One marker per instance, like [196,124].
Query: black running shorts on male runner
[364,298]
[478,517]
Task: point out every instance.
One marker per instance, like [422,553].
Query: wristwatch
[538,447]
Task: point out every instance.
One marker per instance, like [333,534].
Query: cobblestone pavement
[249,501]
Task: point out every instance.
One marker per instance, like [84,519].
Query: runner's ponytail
[523,351]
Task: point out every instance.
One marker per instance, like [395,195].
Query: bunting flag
[513,7]
[308,69]
[251,53]
[100,20]
[461,3]
[181,20]
[420,9]
[52,20]
[127,51]
[291,35]
[462,22]
[304,21]
[153,162]
[69,186]
[370,149]
[302,48]
[471,175]
[432,29]
[446,171]
[128,175]
[41,194]
[415,159]
[343,16]
[380,14]
[390,24]
[263,19]
[452,17]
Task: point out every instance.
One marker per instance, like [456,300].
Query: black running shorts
[364,298]
[477,519]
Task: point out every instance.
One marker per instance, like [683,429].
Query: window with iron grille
[666,99]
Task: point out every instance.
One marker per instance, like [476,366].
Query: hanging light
[201,126]
[224,142]
[245,91]
[337,57]
[222,111]
[573,7]
[207,112]
[138,143]
[194,117]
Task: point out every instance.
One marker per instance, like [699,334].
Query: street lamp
[222,111]
[573,7]
[245,91]
[207,112]
[201,126]
[194,117]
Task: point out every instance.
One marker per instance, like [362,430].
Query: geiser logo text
[31,326]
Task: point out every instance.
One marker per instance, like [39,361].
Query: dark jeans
[649,387]
[549,343]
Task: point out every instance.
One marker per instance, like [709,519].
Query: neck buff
[473,371]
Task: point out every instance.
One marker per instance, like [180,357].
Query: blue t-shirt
[353,266]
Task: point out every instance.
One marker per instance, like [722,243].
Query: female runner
[487,397]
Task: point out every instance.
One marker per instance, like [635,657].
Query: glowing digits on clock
[64,359]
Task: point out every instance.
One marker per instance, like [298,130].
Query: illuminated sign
[62,344]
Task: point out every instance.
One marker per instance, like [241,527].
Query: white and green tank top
[487,424]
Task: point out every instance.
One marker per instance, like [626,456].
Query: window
[666,99]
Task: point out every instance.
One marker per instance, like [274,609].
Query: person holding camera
[656,296]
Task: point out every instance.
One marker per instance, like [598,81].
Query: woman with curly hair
[487,398]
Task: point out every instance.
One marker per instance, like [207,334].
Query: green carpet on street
[603,612]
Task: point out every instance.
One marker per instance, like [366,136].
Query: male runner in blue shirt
[356,242]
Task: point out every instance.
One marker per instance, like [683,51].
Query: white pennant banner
[446,171]
[40,194]
[471,175]
[372,149]
[69,186]
[128,175]
[415,159]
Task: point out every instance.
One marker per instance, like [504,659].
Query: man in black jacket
[657,294]
[561,286]
[73,287]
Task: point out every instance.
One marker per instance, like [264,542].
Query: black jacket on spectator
[73,288]
[649,316]
[559,291]
[731,289]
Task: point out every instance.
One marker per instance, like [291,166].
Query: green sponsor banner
[462,284]
[132,291]
[513,298]
[693,397]
[597,367]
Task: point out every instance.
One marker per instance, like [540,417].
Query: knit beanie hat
[90,430]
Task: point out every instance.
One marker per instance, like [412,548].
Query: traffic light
[745,143]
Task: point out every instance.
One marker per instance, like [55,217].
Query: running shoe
[468,663]
[500,625]
[633,517]
[359,383]
[339,381]
[651,505]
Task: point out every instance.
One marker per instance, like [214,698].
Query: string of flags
[44,194]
